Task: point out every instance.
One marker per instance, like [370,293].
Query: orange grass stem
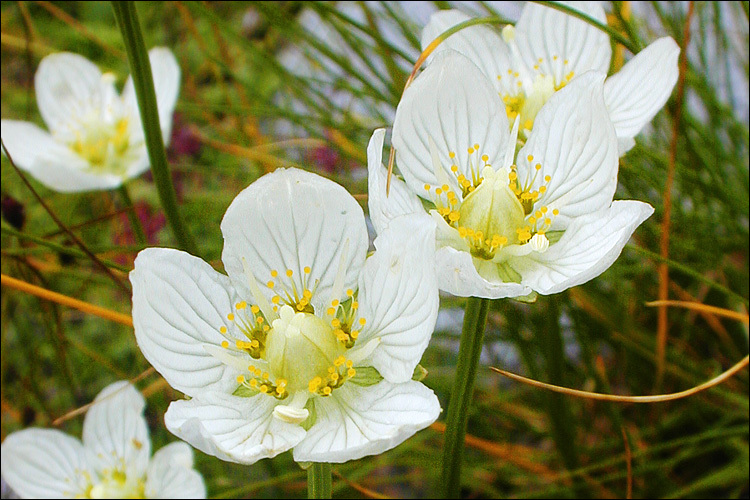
[662,320]
[59,298]
[699,306]
[659,398]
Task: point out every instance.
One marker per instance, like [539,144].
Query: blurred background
[304,84]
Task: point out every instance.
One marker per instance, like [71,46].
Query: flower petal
[399,201]
[171,475]
[453,106]
[589,246]
[166,74]
[481,44]
[179,304]
[357,421]
[458,275]
[67,85]
[232,428]
[288,220]
[115,433]
[44,463]
[50,162]
[563,42]
[398,296]
[632,104]
[575,143]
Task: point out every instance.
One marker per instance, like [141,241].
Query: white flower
[542,223]
[547,49]
[95,139]
[306,344]
[112,462]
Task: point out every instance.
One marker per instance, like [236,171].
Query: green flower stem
[140,69]
[135,222]
[319,480]
[463,390]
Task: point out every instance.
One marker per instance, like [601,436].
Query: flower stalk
[469,351]
[135,222]
[127,20]
[319,480]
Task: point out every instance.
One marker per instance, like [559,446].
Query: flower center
[117,484]
[497,209]
[529,88]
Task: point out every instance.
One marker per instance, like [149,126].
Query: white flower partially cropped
[547,49]
[306,344]
[112,462]
[95,139]
[540,223]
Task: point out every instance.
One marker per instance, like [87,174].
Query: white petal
[399,201]
[171,475]
[288,220]
[640,89]
[556,37]
[357,421]
[575,143]
[50,162]
[589,246]
[232,428]
[479,43]
[454,106]
[44,463]
[67,86]
[458,275]
[179,304]
[115,431]
[166,74]
[398,295]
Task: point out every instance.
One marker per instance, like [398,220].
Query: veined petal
[589,246]
[458,275]
[357,421]
[452,106]
[171,475]
[630,102]
[398,296]
[290,220]
[50,162]
[232,428]
[45,463]
[574,142]
[115,432]
[67,85]
[559,43]
[399,201]
[166,74]
[179,305]
[480,43]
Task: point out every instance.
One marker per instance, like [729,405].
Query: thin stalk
[469,350]
[140,69]
[135,222]
[319,480]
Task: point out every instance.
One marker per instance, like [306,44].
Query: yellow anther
[265,375]
[276,299]
[476,146]
[470,150]
[542,189]
[224,344]
[454,216]
[334,376]
[230,317]
[354,334]
[445,187]
[349,363]
[289,272]
[326,390]
[355,304]
[555,212]
[485,158]
[335,302]
[335,323]
[331,311]
[538,166]
[223,329]
[240,379]
[281,382]
[270,284]
[454,168]
[547,221]
[362,321]
[451,154]
[280,390]
[331,369]
[307,270]
[349,292]
[530,158]
[241,305]
[547,178]
[253,383]
[274,273]
[300,306]
[307,294]
[513,176]
[264,388]
[438,191]
[426,187]
[254,309]
[339,361]
[538,214]
[266,327]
